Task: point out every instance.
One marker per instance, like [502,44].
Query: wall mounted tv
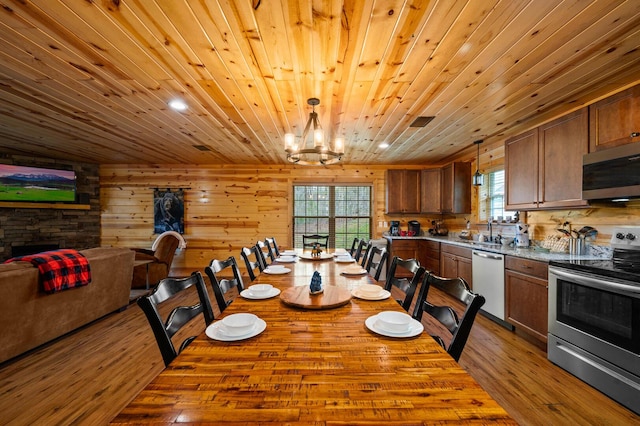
[36,184]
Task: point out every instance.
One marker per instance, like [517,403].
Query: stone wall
[67,228]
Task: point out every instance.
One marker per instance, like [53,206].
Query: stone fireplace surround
[23,230]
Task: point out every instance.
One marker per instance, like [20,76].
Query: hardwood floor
[87,377]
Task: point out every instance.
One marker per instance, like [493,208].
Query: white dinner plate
[278,271]
[216,331]
[344,259]
[384,294]
[415,328]
[246,293]
[288,253]
[362,271]
[286,259]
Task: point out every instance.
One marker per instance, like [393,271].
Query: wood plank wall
[228,207]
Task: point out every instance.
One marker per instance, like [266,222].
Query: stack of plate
[286,259]
[260,291]
[354,269]
[236,327]
[394,324]
[276,269]
[370,292]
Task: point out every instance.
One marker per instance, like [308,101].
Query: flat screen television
[36,184]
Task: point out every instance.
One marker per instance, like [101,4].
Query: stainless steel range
[594,318]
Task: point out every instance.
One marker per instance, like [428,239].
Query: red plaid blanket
[59,269]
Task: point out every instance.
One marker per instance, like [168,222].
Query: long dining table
[314,365]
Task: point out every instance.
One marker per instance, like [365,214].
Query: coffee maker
[414,228]
[394,229]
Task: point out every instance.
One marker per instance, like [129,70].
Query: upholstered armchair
[160,258]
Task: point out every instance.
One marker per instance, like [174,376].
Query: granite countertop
[527,253]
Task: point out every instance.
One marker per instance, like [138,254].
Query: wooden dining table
[314,366]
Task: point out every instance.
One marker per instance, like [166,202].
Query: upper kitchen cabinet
[431,191]
[543,167]
[456,188]
[403,191]
[615,120]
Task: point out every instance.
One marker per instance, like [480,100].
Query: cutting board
[331,297]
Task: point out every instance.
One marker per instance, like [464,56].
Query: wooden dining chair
[354,246]
[253,260]
[308,241]
[272,245]
[365,255]
[404,275]
[376,262]
[458,327]
[179,316]
[267,253]
[224,276]
[357,255]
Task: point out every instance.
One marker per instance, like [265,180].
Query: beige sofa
[30,317]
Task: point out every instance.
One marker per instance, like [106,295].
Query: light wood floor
[87,377]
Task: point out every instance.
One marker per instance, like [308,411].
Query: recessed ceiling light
[383,145]
[178,105]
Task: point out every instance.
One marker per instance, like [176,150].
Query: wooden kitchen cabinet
[543,167]
[426,252]
[456,188]
[403,191]
[455,261]
[431,191]
[527,297]
[615,120]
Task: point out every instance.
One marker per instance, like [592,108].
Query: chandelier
[315,153]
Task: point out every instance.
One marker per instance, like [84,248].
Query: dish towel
[59,269]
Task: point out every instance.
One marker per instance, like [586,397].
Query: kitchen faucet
[490,228]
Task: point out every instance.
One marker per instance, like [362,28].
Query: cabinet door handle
[635,134]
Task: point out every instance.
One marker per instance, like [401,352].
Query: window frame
[332,217]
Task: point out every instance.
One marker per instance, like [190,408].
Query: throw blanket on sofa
[59,269]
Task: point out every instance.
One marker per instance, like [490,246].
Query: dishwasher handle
[487,255]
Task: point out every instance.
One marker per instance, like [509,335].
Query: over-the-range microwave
[612,173]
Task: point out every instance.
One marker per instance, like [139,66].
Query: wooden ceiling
[89,80]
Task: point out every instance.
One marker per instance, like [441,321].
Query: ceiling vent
[202,147]
[421,121]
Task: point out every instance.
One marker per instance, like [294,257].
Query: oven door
[598,314]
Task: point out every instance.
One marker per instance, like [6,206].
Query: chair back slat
[222,286]
[407,285]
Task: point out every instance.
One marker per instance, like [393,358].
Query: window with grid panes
[491,199]
[342,212]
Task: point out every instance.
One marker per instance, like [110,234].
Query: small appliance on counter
[438,228]
[394,229]
[522,235]
[413,228]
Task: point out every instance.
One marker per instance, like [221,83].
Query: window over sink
[491,198]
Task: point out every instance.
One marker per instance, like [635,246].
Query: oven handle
[598,283]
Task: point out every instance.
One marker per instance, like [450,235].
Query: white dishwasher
[488,280]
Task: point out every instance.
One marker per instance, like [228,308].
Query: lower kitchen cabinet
[526,296]
[455,261]
[427,252]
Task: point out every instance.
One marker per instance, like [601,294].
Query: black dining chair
[267,252]
[459,327]
[308,241]
[376,262]
[220,274]
[253,260]
[405,275]
[357,254]
[354,246]
[179,316]
[272,245]
[365,255]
